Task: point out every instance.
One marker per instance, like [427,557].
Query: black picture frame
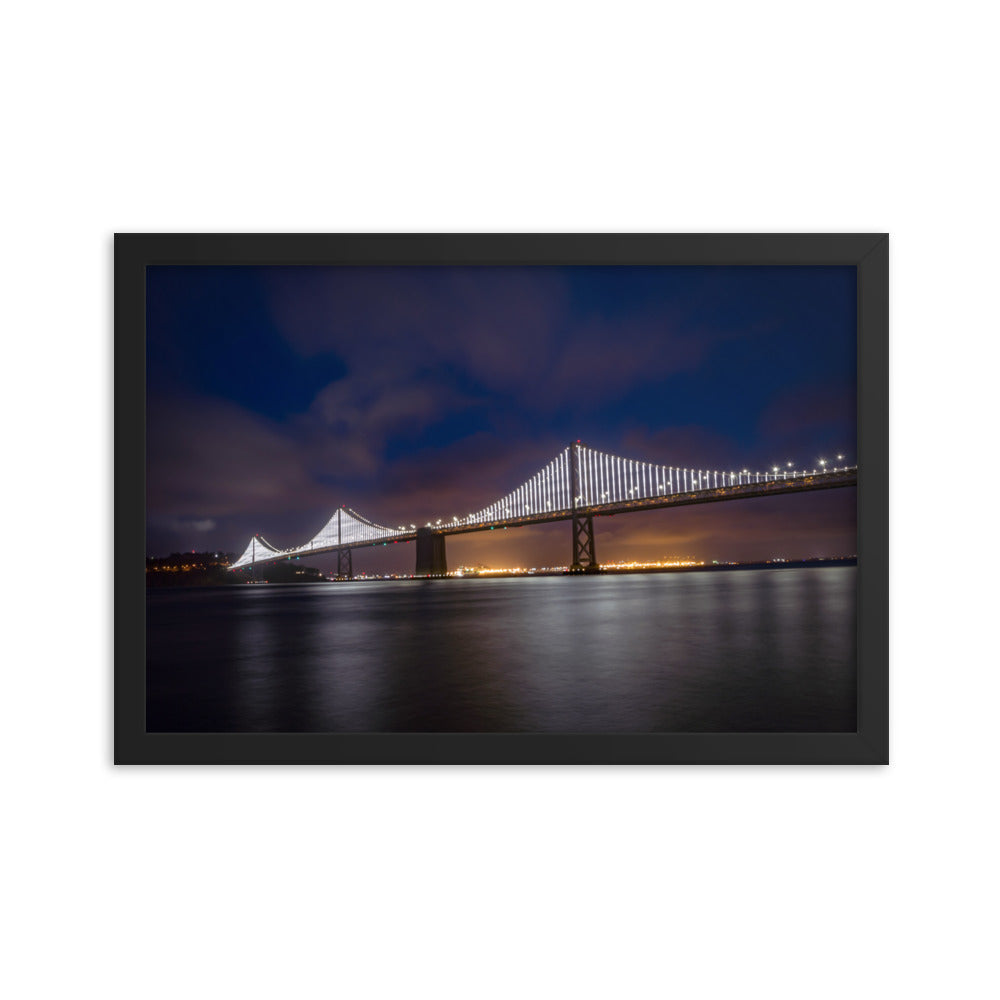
[869,253]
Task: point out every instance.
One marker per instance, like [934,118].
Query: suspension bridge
[579,484]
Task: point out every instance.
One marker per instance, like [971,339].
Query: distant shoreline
[627,571]
[715,567]
[624,571]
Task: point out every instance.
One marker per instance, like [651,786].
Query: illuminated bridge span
[579,484]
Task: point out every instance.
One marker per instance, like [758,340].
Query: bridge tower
[584,560]
[345,567]
[345,571]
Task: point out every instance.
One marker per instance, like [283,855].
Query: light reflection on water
[751,650]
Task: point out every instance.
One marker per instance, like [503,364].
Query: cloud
[406,319]
[811,415]
[610,358]
[683,445]
[516,331]
[211,458]
[372,406]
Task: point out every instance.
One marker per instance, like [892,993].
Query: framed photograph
[501,498]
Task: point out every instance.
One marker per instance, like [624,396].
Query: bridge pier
[584,560]
[345,568]
[431,559]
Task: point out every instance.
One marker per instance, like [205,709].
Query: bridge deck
[821,481]
[802,484]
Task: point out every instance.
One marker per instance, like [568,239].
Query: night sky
[276,394]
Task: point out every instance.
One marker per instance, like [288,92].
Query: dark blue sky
[277,394]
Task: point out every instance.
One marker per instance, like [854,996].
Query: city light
[658,564]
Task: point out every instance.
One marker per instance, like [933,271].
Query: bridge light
[840,458]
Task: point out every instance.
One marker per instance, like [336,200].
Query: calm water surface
[752,650]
